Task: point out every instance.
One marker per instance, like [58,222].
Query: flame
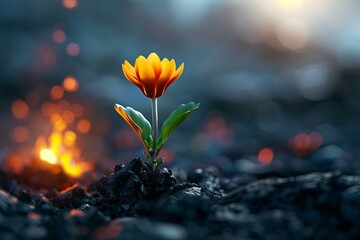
[48,155]
[60,149]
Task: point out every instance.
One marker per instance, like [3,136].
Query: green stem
[155,121]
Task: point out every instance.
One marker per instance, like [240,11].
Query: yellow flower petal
[174,76]
[147,77]
[131,76]
[151,75]
[168,70]
[165,77]
[178,72]
[137,65]
[154,59]
[164,63]
[129,66]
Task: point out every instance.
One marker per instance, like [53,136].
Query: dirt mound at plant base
[133,202]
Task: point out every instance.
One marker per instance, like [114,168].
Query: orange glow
[48,155]
[70,4]
[56,92]
[20,134]
[73,49]
[58,36]
[14,164]
[62,106]
[70,84]
[20,109]
[70,167]
[266,155]
[68,116]
[60,149]
[34,216]
[84,126]
[69,138]
[76,213]
[60,125]
[48,109]
[77,109]
[32,98]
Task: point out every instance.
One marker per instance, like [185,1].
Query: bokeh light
[20,134]
[266,155]
[56,92]
[58,36]
[70,84]
[73,49]
[70,4]
[293,34]
[20,109]
[84,126]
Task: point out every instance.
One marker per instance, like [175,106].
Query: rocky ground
[134,203]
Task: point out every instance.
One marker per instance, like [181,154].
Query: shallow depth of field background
[278,80]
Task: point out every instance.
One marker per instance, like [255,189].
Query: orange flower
[151,75]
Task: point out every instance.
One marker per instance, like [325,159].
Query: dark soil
[134,203]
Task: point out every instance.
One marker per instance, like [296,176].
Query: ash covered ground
[133,202]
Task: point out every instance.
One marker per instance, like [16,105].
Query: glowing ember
[33,216]
[76,213]
[48,155]
[69,138]
[60,149]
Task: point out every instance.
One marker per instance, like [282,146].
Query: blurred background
[277,81]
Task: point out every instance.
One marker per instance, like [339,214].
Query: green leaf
[173,121]
[138,123]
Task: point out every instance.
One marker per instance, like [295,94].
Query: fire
[60,149]
[48,155]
